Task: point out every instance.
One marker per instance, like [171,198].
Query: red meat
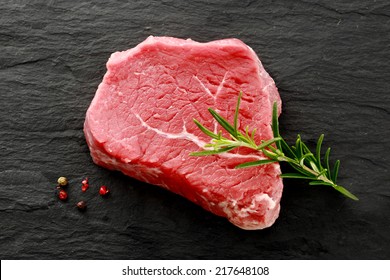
[141,123]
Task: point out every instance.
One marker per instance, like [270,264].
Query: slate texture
[330,60]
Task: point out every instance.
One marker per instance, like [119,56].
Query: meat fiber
[141,123]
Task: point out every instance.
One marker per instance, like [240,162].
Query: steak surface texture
[141,123]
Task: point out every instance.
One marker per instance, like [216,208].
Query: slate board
[330,61]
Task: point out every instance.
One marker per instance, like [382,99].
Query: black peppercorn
[81,205]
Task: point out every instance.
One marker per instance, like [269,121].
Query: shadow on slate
[329,60]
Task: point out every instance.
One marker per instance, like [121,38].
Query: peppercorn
[103,191]
[62,181]
[63,195]
[81,205]
[84,185]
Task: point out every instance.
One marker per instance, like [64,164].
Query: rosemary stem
[318,175]
[307,164]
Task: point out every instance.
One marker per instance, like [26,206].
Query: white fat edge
[231,206]
[105,158]
[227,210]
[250,224]
[262,197]
[154,171]
[127,160]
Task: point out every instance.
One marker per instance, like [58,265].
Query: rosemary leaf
[275,121]
[306,150]
[302,160]
[299,168]
[320,183]
[335,171]
[295,176]
[270,154]
[318,151]
[286,149]
[237,111]
[205,130]
[314,167]
[268,143]
[223,122]
[212,152]
[345,192]
[326,160]
[298,145]
[253,134]
[255,163]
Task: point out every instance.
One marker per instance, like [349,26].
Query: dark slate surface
[330,61]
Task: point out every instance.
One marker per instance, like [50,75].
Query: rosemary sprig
[308,165]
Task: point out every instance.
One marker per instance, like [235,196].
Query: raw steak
[141,123]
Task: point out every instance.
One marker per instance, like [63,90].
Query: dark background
[330,61]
